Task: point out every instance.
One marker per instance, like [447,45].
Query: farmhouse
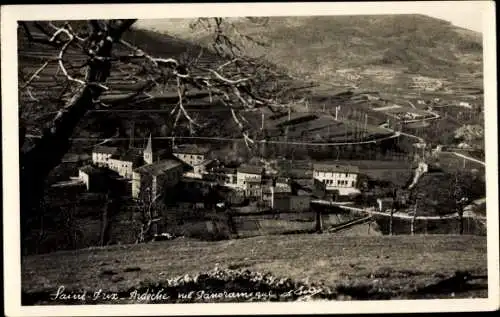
[253,189]
[99,179]
[341,178]
[123,162]
[195,157]
[246,173]
[229,177]
[283,183]
[289,203]
[91,176]
[384,204]
[102,154]
[156,177]
[273,196]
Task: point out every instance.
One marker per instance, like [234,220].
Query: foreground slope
[396,263]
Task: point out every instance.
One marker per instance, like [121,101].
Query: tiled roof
[336,168]
[93,170]
[250,169]
[157,168]
[131,155]
[105,149]
[282,189]
[282,180]
[190,149]
[206,162]
[227,170]
[89,169]
[252,181]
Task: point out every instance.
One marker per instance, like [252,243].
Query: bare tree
[148,206]
[240,83]
[48,150]
[459,200]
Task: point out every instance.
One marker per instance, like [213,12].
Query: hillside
[354,267]
[394,54]
[334,49]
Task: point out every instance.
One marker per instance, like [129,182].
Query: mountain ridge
[318,46]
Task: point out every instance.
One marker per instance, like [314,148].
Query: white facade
[136,184]
[198,170]
[101,159]
[242,178]
[84,177]
[191,159]
[231,180]
[344,182]
[156,180]
[123,168]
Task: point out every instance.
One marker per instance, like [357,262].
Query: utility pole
[366,124]
[131,144]
[393,207]
[414,218]
[262,124]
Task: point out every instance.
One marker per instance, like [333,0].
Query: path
[467,157]
[394,135]
[371,211]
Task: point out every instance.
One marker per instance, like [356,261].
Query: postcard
[250,158]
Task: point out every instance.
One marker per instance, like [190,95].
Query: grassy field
[400,264]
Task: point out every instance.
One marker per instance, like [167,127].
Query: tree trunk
[391,225]
[461,218]
[47,153]
[104,227]
[319,221]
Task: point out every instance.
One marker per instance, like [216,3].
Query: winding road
[371,211]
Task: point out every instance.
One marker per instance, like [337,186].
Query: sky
[467,15]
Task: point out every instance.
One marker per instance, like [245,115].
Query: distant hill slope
[321,46]
[38,104]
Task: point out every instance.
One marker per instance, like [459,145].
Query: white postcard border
[11,221]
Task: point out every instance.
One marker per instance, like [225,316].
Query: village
[259,187]
[152,172]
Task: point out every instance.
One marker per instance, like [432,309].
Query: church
[147,170]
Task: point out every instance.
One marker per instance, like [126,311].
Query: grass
[395,261]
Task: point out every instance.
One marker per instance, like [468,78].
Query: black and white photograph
[271,157]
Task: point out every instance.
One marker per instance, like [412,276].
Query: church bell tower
[148,152]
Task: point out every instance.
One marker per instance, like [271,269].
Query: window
[352,183]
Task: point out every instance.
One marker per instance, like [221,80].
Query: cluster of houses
[150,172]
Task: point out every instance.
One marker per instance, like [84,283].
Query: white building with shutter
[342,178]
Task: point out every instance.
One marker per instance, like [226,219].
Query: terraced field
[47,91]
